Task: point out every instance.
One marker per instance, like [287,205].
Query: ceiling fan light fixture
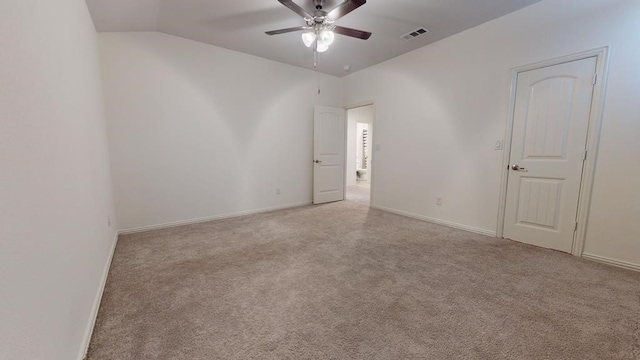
[326,36]
[318,33]
[308,38]
[324,39]
[322,47]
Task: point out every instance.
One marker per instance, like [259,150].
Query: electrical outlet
[438,200]
[278,191]
[377,147]
[108,220]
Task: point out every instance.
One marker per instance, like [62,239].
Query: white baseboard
[436,221]
[209,218]
[617,263]
[96,304]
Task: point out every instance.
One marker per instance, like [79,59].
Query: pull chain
[315,56]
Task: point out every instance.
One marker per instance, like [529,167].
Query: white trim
[613,262]
[506,154]
[593,136]
[372,170]
[593,140]
[436,221]
[88,333]
[209,218]
[359,104]
[346,154]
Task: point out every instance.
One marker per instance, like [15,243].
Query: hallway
[360,193]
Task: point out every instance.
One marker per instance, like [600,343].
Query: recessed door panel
[547,122]
[539,201]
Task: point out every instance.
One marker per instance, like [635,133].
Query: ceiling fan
[319,30]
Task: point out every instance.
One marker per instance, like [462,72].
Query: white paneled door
[328,154]
[552,110]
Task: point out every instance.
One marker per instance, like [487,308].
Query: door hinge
[595,79]
[585,155]
[576,228]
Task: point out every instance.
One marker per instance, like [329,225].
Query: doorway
[550,161]
[359,154]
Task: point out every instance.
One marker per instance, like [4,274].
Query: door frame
[593,137]
[371,140]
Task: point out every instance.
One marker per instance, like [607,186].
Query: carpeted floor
[340,281]
[359,193]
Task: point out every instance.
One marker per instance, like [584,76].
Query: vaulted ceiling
[240,25]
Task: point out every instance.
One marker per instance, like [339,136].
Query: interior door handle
[318,161]
[517,168]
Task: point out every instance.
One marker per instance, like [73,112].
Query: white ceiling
[240,25]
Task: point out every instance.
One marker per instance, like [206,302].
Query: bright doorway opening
[359,162]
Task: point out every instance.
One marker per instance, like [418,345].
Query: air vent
[415,33]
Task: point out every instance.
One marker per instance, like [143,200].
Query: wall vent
[415,33]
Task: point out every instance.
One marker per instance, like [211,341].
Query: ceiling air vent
[415,33]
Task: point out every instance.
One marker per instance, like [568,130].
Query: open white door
[328,154]
[550,128]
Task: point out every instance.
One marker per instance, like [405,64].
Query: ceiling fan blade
[343,9]
[296,9]
[364,35]
[284,31]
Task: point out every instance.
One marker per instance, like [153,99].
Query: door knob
[318,161]
[517,167]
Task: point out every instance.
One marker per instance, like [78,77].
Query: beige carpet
[340,281]
[359,193]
